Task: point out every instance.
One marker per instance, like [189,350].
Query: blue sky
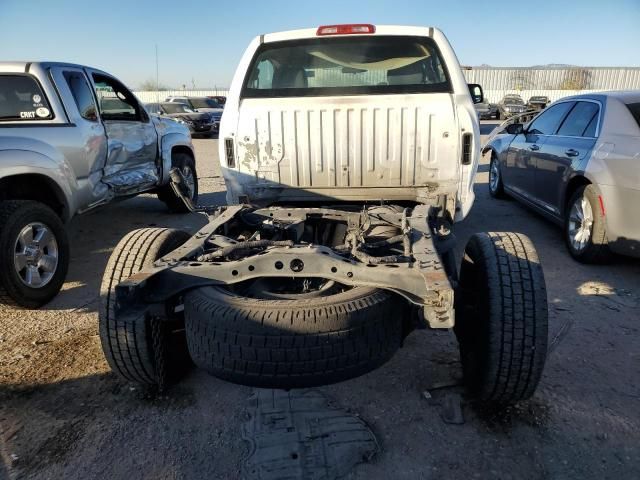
[201,41]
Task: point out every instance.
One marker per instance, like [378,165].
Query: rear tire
[501,318]
[187,166]
[24,226]
[586,238]
[127,340]
[292,343]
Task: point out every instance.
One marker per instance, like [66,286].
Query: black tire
[127,342]
[498,190]
[15,216]
[501,318]
[186,164]
[293,343]
[596,247]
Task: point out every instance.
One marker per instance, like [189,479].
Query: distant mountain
[548,65]
[555,65]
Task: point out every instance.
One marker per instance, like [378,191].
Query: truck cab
[356,113]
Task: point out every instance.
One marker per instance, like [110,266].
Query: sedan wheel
[585,227]
[496,188]
[580,224]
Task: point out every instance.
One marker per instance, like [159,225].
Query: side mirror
[515,129]
[477,95]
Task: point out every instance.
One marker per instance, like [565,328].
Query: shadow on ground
[582,422]
[93,237]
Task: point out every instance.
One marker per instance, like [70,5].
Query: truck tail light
[348,29]
[466,148]
[228,149]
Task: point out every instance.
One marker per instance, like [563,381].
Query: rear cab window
[22,99]
[346,66]
[82,95]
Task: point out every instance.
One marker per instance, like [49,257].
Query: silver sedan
[577,163]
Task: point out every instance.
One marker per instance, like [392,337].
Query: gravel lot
[64,415]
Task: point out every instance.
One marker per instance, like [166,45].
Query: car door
[518,174]
[132,142]
[563,153]
[520,165]
[86,152]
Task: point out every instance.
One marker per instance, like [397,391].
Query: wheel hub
[580,223]
[35,255]
[494,175]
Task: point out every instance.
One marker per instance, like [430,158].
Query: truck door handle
[572,153]
[534,147]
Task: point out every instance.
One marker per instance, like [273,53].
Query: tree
[149,85]
[521,79]
[576,79]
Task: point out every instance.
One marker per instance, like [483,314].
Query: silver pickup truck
[72,138]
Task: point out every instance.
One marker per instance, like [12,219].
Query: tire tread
[126,339]
[514,320]
[289,344]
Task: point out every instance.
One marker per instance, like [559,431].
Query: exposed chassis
[420,276]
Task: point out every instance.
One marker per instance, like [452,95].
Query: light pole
[157,78]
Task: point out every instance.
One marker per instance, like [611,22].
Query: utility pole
[157,78]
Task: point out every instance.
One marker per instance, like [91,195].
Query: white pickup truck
[348,152]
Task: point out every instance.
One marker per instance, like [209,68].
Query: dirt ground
[64,415]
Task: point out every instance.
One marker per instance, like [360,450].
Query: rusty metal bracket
[423,281]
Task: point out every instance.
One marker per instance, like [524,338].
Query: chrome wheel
[189,179]
[494,175]
[580,223]
[36,255]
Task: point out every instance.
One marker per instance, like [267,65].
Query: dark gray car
[510,105]
[537,102]
[199,123]
[577,162]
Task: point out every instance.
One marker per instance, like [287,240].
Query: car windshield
[343,66]
[22,99]
[204,103]
[175,107]
[513,100]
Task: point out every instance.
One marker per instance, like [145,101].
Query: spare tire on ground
[291,341]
